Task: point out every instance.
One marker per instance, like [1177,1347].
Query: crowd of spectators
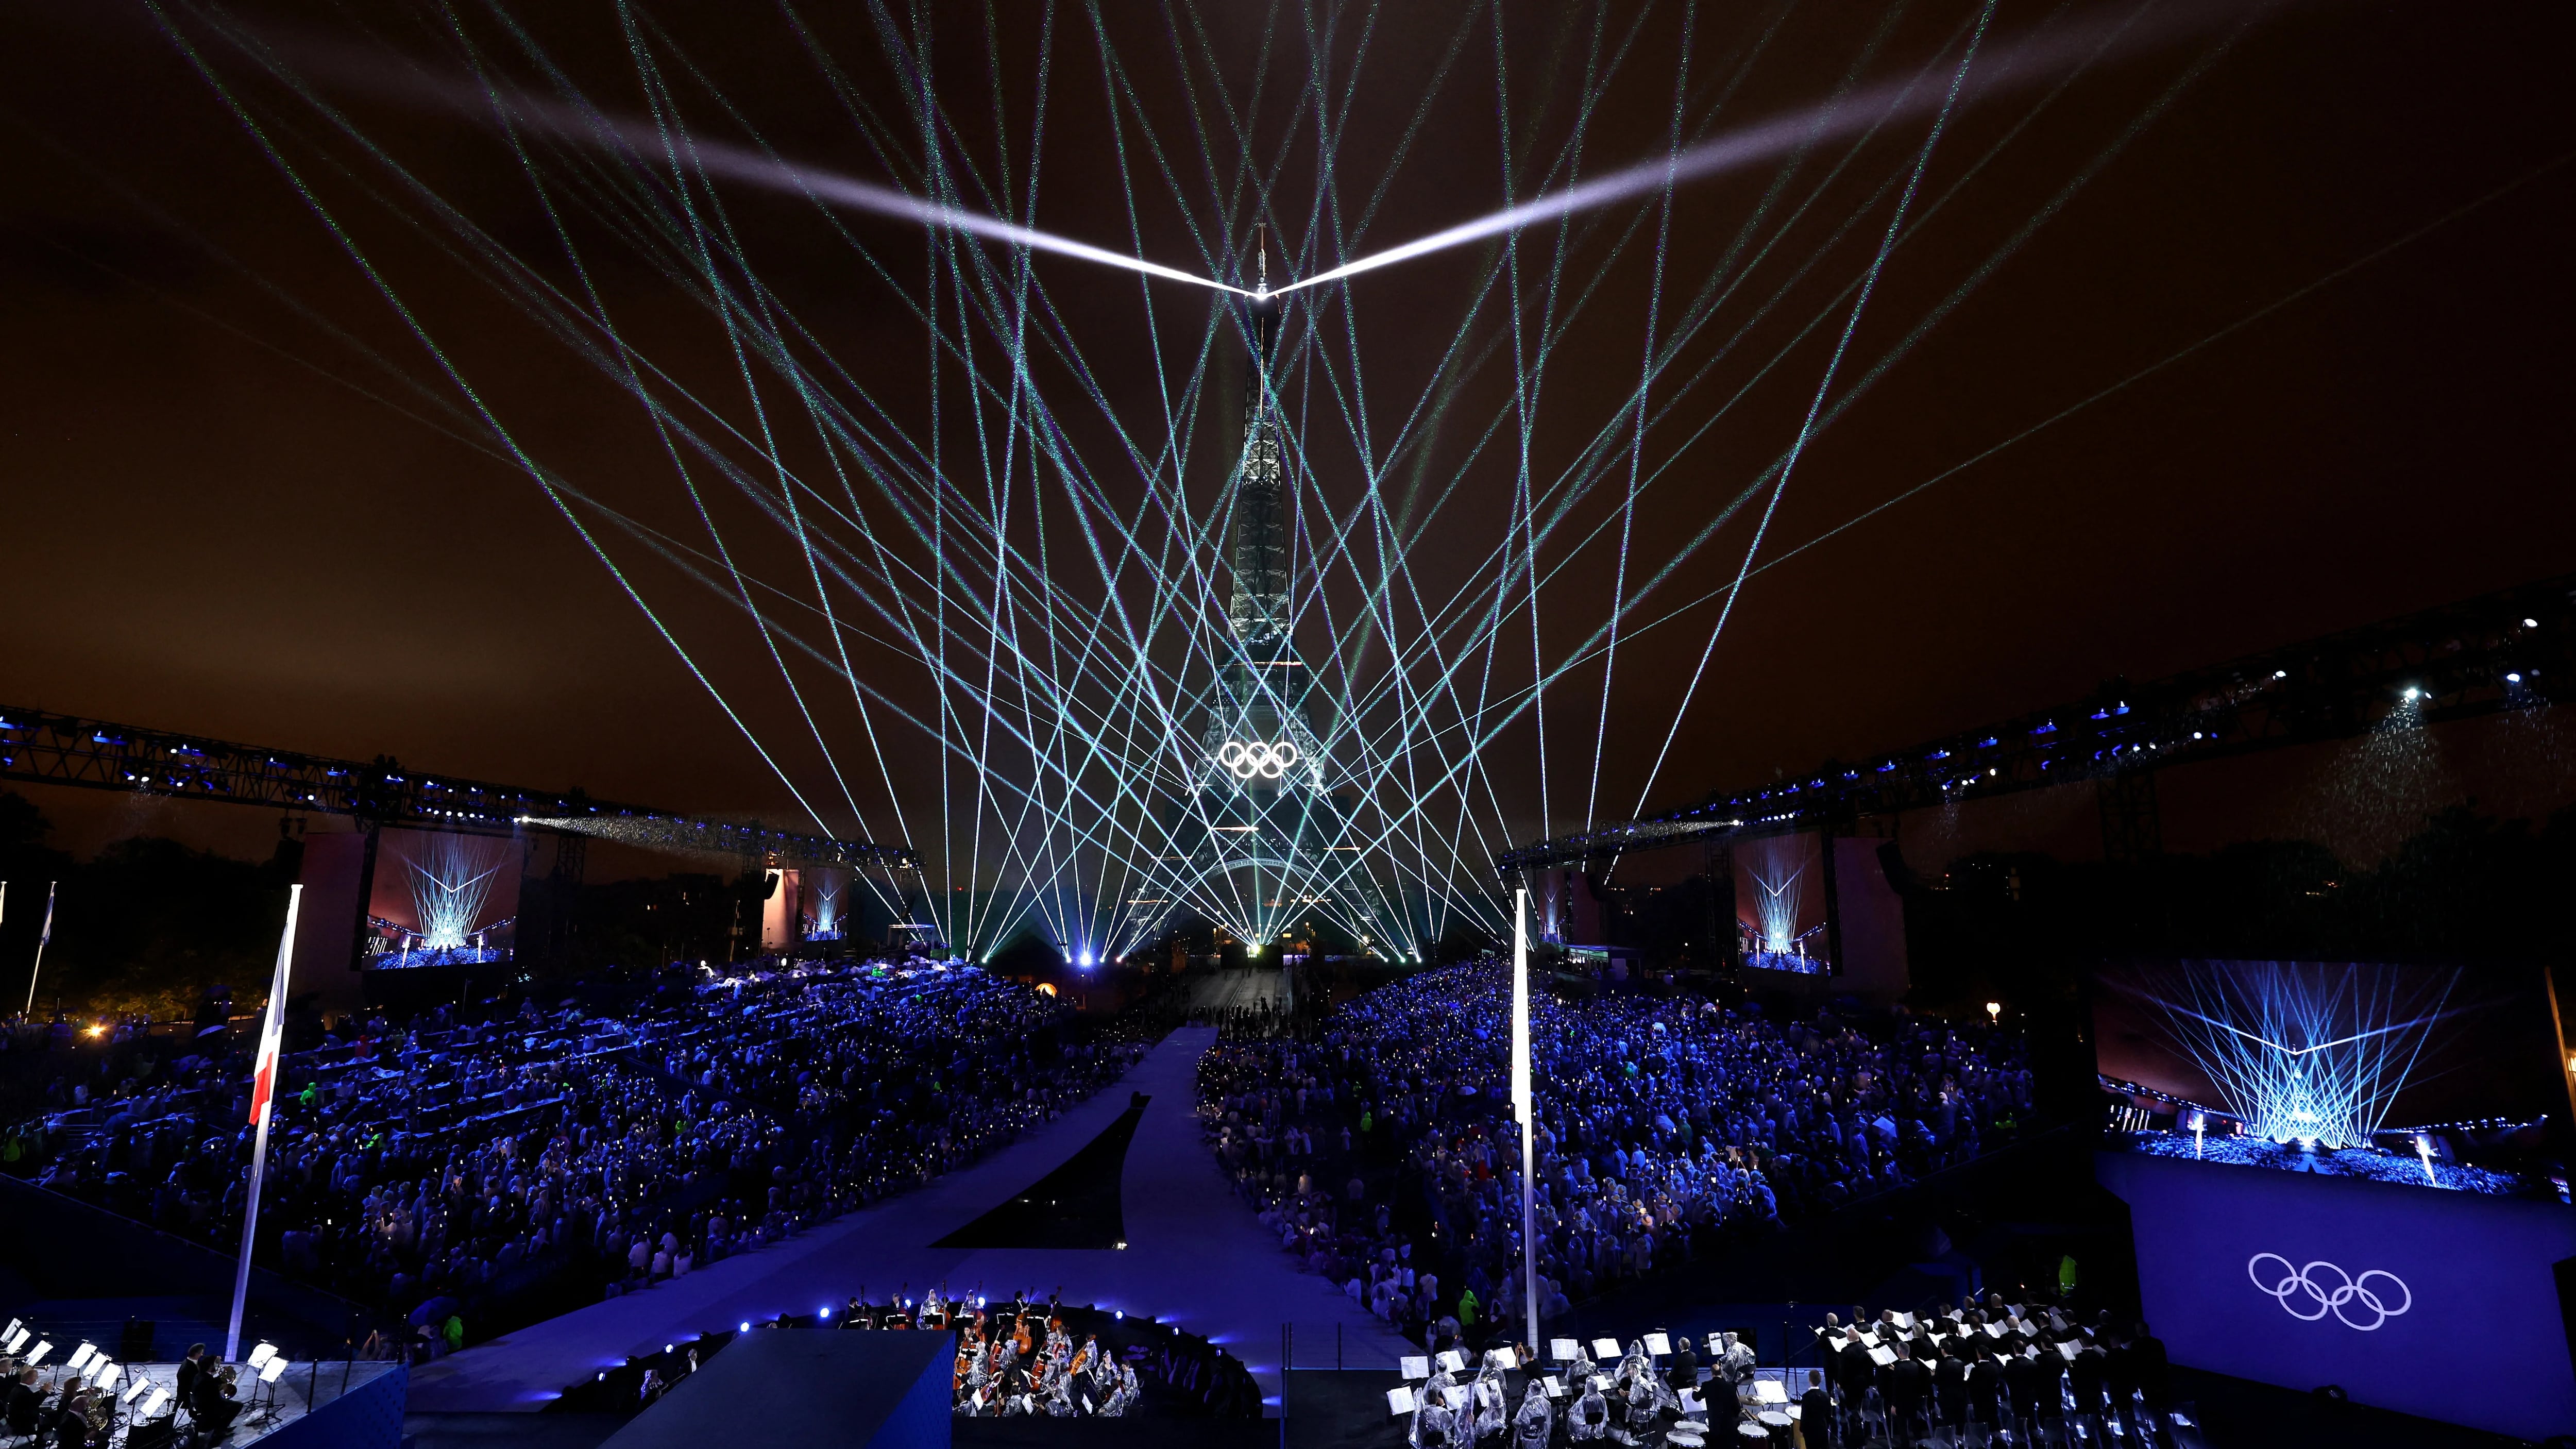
[1379,1145]
[447,1171]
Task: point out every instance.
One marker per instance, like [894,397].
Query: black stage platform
[880,1390]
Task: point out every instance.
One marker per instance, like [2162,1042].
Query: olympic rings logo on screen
[2312,1292]
[1268,761]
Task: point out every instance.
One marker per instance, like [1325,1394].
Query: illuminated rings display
[2312,1292]
[1268,761]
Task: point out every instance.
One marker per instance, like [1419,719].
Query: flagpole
[263,1091]
[1522,1108]
[41,942]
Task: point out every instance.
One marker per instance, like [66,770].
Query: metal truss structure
[57,749]
[2514,649]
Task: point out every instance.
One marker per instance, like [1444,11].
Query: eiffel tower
[1261,842]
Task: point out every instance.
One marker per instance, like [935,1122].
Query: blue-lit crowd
[463,1176]
[1381,1148]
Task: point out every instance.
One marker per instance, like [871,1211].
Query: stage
[1196,1257]
[2436,1303]
[343,1405]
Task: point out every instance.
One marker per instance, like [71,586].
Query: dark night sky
[206,530]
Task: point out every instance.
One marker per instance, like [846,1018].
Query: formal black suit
[2120,1373]
[1684,1375]
[1858,1374]
[2088,1376]
[1985,1390]
[2153,1380]
[1950,1384]
[1816,1418]
[1904,1384]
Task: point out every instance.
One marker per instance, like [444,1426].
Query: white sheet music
[1768,1391]
[1882,1356]
[1506,1358]
[1605,1348]
[1454,1361]
[1564,1350]
[1555,1387]
[1416,1368]
[1658,1345]
[1399,1401]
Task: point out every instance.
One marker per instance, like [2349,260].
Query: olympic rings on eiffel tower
[1268,761]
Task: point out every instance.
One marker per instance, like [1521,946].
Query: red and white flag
[272,1027]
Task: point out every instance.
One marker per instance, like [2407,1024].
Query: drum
[1692,1426]
[1750,1433]
[1680,1440]
[1782,1429]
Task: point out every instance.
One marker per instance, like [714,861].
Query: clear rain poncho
[1486,1404]
[1590,1417]
[1435,1425]
[1536,1419]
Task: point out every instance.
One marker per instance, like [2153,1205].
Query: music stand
[258,1409]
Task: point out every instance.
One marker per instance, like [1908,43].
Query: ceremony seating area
[1379,1147]
[460,1174]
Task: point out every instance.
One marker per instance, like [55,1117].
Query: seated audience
[1378,1143]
